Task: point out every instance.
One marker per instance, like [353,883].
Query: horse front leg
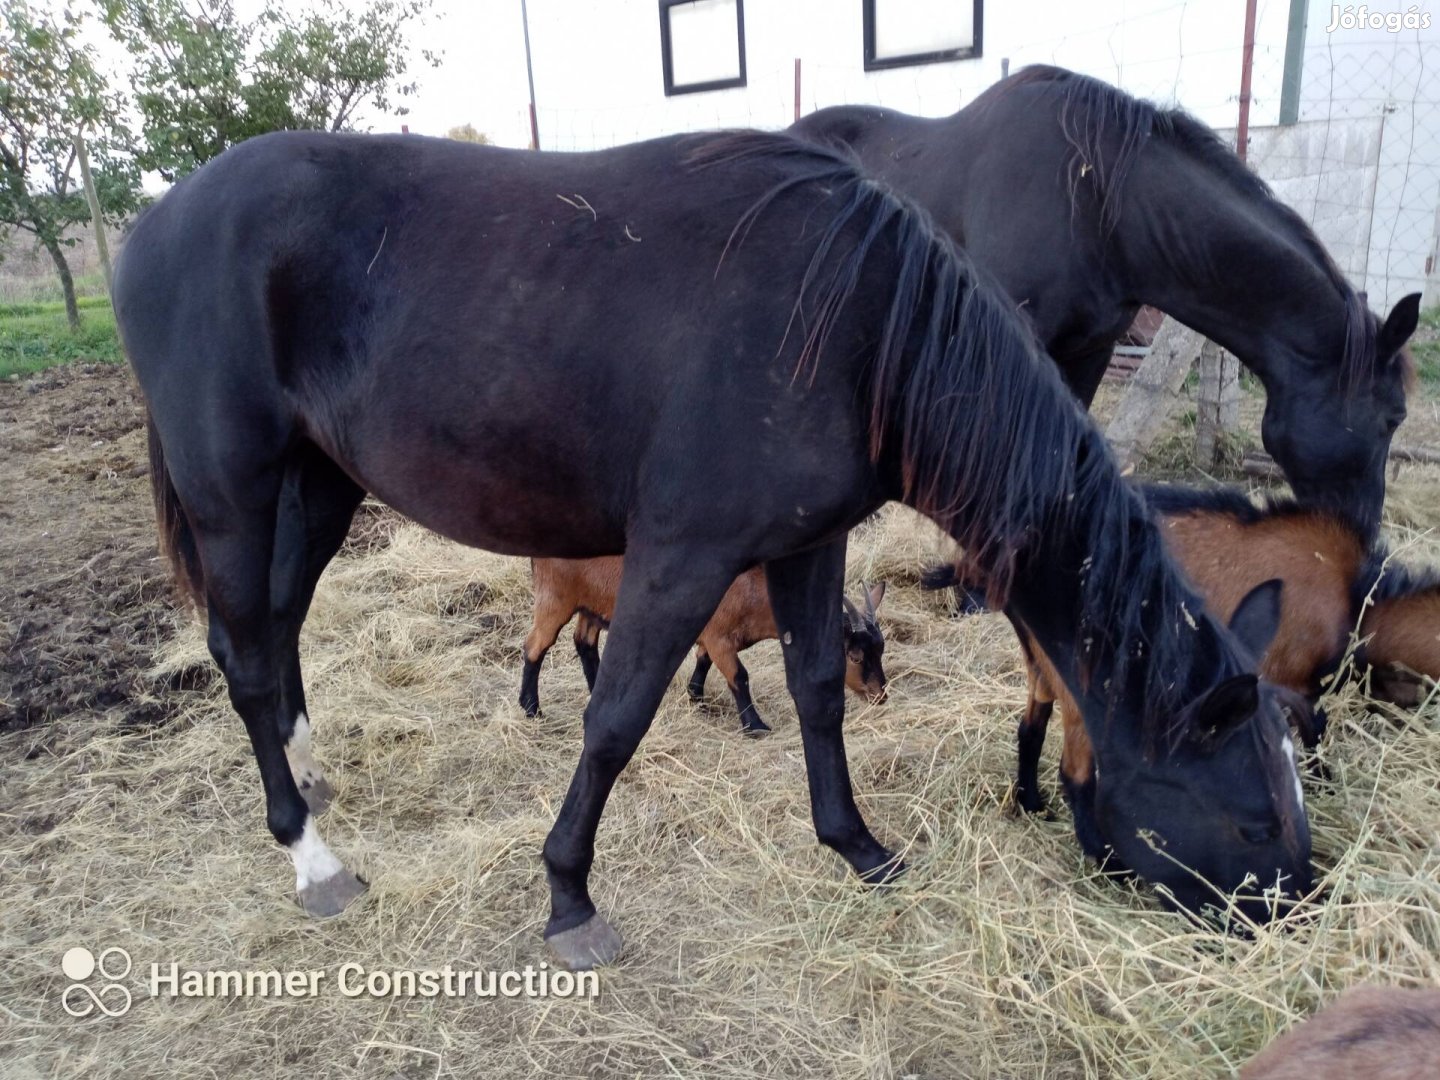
[805,593]
[666,597]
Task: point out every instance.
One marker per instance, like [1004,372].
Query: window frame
[667,58]
[965,52]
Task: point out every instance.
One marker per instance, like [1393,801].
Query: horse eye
[1262,835]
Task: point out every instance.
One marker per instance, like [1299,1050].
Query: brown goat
[564,587]
[1372,1032]
[1227,547]
[1400,636]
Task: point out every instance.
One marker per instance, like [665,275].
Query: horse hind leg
[317,503]
[246,546]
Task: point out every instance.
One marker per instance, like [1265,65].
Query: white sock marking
[303,765]
[314,862]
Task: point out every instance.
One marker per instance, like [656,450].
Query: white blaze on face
[314,862]
[303,766]
[1289,747]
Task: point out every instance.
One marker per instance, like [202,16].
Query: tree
[467,133]
[188,80]
[328,62]
[206,79]
[51,92]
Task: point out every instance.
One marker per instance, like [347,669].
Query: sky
[481,79]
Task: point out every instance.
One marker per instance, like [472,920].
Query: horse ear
[873,595]
[1257,617]
[1404,317]
[1224,709]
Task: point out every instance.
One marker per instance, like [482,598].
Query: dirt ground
[83,595]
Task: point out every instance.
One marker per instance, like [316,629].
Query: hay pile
[750,950]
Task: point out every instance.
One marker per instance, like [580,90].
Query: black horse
[1085,203]
[772,346]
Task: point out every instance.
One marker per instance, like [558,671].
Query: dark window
[903,32]
[702,44]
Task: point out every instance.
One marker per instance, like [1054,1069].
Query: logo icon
[79,964]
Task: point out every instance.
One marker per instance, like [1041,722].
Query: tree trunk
[67,283]
[97,219]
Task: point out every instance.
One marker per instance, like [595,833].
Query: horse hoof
[318,794]
[581,947]
[885,873]
[324,899]
[1030,802]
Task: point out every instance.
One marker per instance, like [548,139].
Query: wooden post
[1152,391]
[1217,405]
[97,219]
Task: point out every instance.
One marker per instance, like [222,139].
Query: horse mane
[990,443]
[1382,579]
[1108,128]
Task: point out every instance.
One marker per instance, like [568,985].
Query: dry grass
[750,951]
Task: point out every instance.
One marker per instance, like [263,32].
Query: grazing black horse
[770,345]
[1085,203]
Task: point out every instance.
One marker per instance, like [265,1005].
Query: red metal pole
[1247,61]
[797,88]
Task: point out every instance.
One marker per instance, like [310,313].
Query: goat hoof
[532,708]
[325,899]
[582,947]
[318,795]
[753,727]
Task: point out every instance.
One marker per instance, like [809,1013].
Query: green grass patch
[1427,362]
[1426,350]
[35,336]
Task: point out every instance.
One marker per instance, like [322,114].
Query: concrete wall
[1388,78]
[1327,171]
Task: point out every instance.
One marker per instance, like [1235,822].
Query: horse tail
[177,539]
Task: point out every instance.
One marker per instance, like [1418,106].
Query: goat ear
[1224,709]
[1256,619]
[1404,317]
[873,595]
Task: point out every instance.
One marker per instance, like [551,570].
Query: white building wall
[598,76]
